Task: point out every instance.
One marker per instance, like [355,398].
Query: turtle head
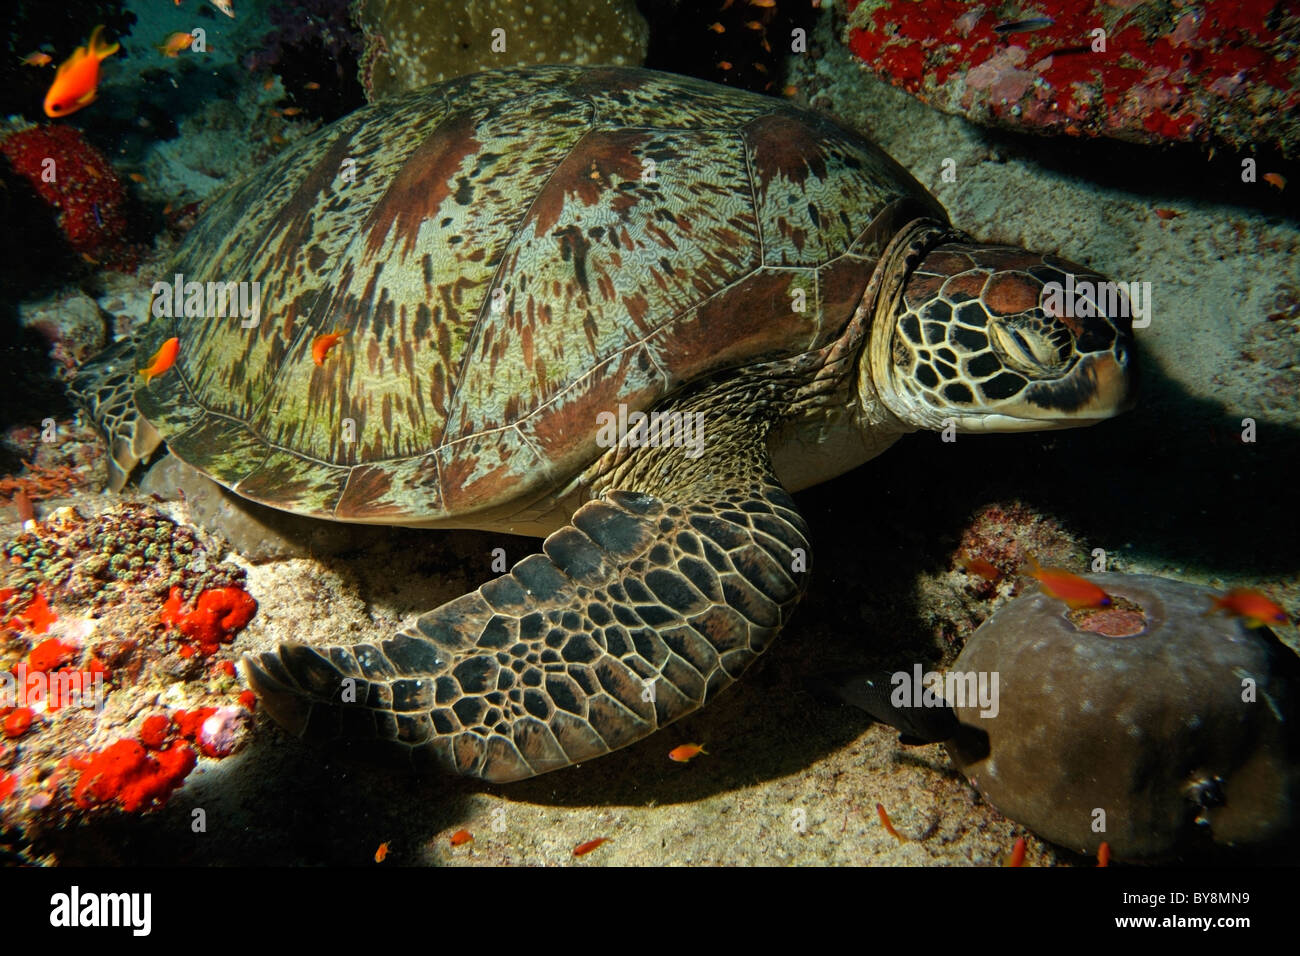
[995,338]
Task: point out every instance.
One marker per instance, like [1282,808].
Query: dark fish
[94,209]
[1024,26]
[872,692]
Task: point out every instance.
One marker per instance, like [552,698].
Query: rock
[1156,735]
[255,531]
[71,323]
[412,44]
[1219,71]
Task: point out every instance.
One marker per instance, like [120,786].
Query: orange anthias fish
[686,752]
[1103,854]
[76,81]
[980,567]
[1017,853]
[162,360]
[1255,608]
[461,837]
[38,58]
[173,45]
[1074,590]
[887,823]
[321,345]
[582,849]
[1276,180]
[382,852]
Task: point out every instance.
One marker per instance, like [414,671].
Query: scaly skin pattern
[650,602]
[507,255]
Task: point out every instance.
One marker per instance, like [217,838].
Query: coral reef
[1220,70]
[128,546]
[410,44]
[739,44]
[1146,724]
[78,186]
[214,620]
[126,773]
[79,668]
[70,323]
[984,569]
[315,48]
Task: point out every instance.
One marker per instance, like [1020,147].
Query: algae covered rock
[1149,725]
[410,44]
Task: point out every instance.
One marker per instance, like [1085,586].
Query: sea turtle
[521,263]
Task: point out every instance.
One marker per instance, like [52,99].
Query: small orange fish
[723,65]
[135,177]
[461,837]
[887,823]
[980,567]
[1255,608]
[313,85]
[1074,590]
[173,45]
[38,58]
[76,81]
[1017,853]
[322,344]
[268,83]
[753,25]
[1276,180]
[290,111]
[162,360]
[1103,854]
[1166,213]
[582,849]
[717,28]
[687,752]
[381,852]
[762,3]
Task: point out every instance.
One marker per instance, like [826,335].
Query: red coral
[189,722]
[214,730]
[154,731]
[219,614]
[125,772]
[36,617]
[50,655]
[17,722]
[1211,70]
[79,185]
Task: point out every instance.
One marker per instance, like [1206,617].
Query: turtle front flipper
[640,610]
[105,388]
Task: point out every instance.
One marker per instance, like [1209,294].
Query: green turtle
[626,310]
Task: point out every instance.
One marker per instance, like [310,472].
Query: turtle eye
[1028,350]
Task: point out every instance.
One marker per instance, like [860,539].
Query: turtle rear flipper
[105,388]
[647,604]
